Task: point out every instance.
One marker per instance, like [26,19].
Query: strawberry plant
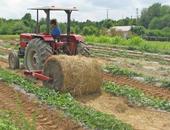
[115,70]
[10,120]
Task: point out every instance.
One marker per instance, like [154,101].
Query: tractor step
[38,74]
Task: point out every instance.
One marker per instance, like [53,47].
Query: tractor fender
[73,38]
[47,38]
[78,38]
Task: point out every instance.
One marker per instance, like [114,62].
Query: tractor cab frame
[47,10]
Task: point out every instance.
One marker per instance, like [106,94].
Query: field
[135,94]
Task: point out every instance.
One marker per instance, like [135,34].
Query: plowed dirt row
[148,89]
[140,118]
[46,119]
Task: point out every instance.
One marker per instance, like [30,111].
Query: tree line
[154,21]
[27,24]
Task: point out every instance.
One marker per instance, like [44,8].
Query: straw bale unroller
[75,74]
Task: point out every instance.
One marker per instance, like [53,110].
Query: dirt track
[148,89]
[140,118]
[46,119]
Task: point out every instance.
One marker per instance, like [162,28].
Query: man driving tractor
[55,32]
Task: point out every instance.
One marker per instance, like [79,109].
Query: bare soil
[140,118]
[46,118]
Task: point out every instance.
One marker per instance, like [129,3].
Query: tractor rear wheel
[82,49]
[13,60]
[36,53]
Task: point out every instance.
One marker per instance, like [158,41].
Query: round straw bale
[75,74]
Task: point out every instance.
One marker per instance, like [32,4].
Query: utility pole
[107,13]
[137,16]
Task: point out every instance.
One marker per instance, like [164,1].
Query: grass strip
[9,37]
[134,43]
[137,96]
[87,116]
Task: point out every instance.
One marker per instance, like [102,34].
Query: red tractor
[35,48]
[75,74]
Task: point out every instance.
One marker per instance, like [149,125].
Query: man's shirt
[55,32]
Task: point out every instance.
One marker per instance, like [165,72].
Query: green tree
[27,19]
[19,27]
[28,22]
[160,22]
[5,29]
[148,14]
[107,23]
[90,30]
[165,9]
[155,23]
[165,21]
[139,30]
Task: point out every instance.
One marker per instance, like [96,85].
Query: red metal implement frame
[37,74]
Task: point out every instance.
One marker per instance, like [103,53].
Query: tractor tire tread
[43,50]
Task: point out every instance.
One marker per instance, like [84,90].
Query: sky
[94,10]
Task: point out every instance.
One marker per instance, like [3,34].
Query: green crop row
[7,125]
[134,43]
[115,70]
[14,121]
[87,116]
[137,96]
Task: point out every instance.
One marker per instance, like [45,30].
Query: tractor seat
[59,44]
[56,38]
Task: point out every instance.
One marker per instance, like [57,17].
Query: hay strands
[74,74]
[38,74]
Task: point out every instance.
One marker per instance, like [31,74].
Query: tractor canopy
[54,8]
[47,10]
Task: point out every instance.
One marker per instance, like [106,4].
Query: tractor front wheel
[36,53]
[13,60]
[82,49]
